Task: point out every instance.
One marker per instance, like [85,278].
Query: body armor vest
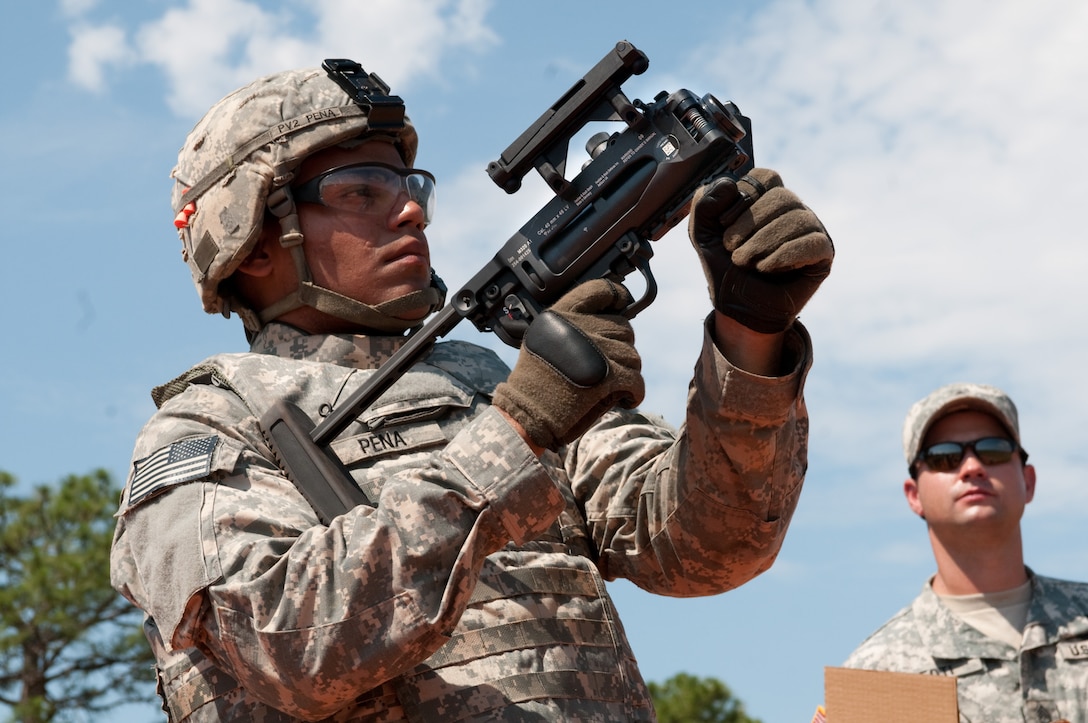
[540,636]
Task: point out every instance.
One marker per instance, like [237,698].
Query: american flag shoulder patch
[174,464]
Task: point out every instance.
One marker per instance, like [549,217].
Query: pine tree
[68,641]
[685,698]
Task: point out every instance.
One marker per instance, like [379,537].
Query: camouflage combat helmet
[236,165]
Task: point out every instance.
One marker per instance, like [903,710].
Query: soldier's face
[369,257]
[974,496]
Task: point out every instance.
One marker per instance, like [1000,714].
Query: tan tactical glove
[577,361]
[764,252]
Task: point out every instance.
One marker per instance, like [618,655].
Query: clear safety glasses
[369,188]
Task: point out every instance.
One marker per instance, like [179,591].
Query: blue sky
[941,143]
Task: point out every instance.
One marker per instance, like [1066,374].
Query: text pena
[317,116]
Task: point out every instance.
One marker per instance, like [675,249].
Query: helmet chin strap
[394,316]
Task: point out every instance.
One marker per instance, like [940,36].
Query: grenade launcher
[637,185]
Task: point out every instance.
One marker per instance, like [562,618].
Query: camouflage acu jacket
[473,587]
[1045,680]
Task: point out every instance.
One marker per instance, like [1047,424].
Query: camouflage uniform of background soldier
[473,587]
[1019,650]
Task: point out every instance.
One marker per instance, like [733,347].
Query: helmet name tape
[297,124]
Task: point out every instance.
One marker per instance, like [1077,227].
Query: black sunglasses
[947,456]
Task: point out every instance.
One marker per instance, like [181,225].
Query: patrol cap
[957,397]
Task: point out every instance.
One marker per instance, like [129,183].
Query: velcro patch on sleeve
[175,464]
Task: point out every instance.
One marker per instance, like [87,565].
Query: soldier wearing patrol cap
[472,586]
[1016,641]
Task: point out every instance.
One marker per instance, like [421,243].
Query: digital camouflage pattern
[957,397]
[473,587]
[1046,680]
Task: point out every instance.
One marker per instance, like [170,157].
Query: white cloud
[941,143]
[93,50]
[402,39]
[206,48]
